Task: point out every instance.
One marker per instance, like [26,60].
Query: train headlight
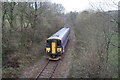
[47,49]
[59,49]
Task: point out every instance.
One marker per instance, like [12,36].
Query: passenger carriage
[56,44]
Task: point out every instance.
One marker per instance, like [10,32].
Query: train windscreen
[53,40]
[58,42]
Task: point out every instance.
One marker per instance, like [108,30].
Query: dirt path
[62,71]
[33,70]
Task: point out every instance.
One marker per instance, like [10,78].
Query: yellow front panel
[53,47]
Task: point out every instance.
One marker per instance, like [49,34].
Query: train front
[53,49]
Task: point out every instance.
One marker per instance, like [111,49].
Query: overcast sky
[80,5]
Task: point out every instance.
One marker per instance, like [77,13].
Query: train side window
[48,43]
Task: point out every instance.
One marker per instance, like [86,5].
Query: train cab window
[58,43]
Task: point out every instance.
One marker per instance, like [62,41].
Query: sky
[80,5]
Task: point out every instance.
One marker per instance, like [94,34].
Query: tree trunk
[12,4]
[35,15]
[3,17]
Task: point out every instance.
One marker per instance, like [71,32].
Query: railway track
[48,70]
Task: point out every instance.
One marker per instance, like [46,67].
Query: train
[56,44]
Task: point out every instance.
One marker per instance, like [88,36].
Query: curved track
[48,70]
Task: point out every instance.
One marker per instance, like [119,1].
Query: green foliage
[113,56]
[94,52]
[25,30]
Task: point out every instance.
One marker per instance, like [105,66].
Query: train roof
[60,34]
